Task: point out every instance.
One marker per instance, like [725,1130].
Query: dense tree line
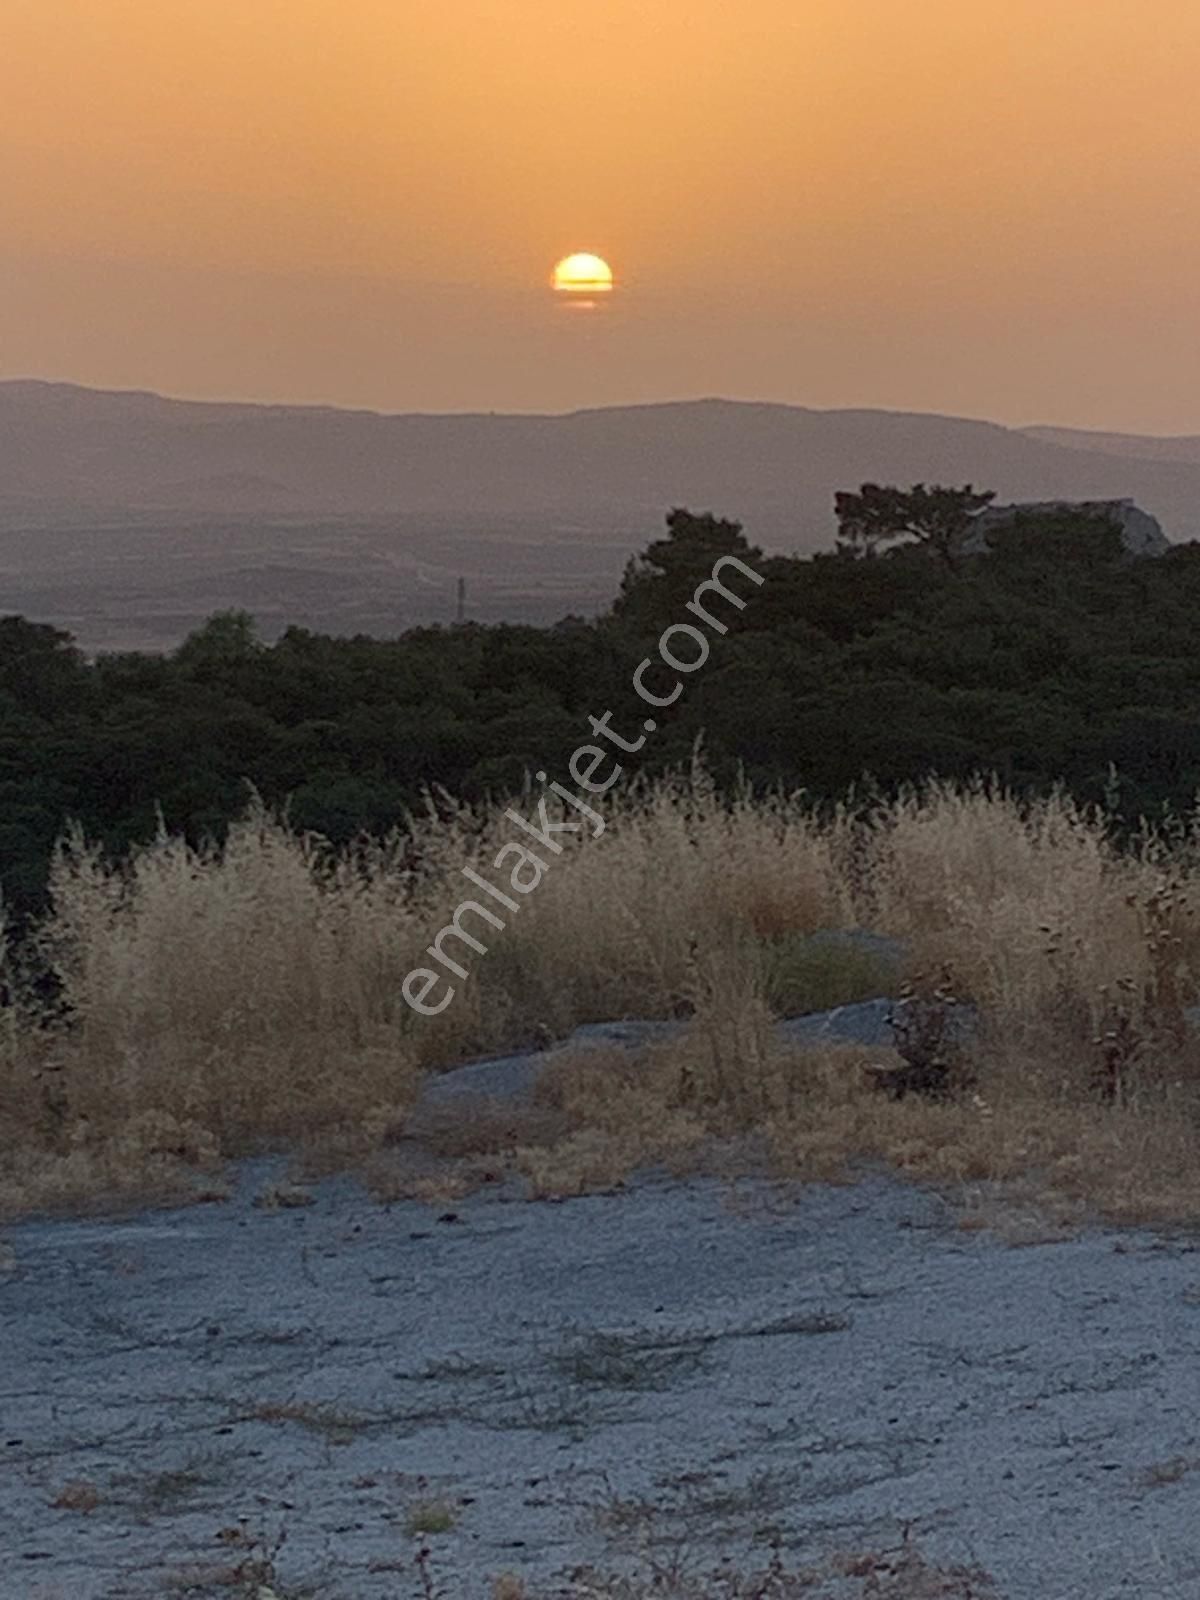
[1055,658]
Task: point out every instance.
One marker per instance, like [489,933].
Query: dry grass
[1020,1163]
[149,1160]
[215,1001]
[284,1197]
[1165,1474]
[230,988]
[897,1574]
[334,1424]
[78,1494]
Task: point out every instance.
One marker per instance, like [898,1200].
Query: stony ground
[680,1370]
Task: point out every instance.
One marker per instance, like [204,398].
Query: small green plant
[431,1516]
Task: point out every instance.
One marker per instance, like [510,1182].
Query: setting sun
[583,273]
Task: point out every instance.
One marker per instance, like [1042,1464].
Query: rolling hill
[128,517]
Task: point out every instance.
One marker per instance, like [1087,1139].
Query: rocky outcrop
[1141,534]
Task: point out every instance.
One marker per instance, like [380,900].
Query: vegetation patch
[221,1000]
[632,1361]
[431,1516]
[333,1423]
[814,972]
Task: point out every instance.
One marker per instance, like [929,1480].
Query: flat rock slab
[674,1364]
[865,1022]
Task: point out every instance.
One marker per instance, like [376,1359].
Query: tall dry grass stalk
[252,992]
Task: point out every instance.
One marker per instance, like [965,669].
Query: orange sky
[979,206]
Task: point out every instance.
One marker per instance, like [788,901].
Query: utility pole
[462,600]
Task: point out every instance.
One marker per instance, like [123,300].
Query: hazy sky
[979,206]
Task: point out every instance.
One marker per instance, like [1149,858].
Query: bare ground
[296,1399]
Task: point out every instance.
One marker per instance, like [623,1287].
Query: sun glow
[583,274]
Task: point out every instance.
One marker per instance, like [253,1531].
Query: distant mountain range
[116,506]
[86,451]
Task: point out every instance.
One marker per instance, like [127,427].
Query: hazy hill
[1178,447]
[93,451]
[128,517]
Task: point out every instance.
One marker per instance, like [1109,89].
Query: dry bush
[927,1027]
[508,1586]
[595,1160]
